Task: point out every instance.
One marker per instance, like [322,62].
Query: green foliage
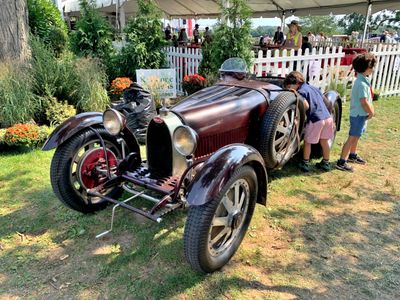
[2,134]
[17,102]
[57,112]
[45,21]
[231,37]
[91,82]
[93,35]
[52,76]
[145,42]
[339,87]
[352,22]
[316,24]
[380,21]
[81,82]
[263,30]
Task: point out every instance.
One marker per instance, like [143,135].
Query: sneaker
[356,159]
[344,167]
[305,166]
[323,165]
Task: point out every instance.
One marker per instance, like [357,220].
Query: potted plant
[118,85]
[193,83]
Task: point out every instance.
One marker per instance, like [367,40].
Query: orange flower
[119,84]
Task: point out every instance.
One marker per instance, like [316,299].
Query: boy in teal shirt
[361,109]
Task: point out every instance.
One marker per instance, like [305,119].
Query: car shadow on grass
[349,253]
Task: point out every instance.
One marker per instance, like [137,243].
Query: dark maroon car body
[228,120]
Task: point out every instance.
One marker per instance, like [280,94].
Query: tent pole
[369,9]
[283,20]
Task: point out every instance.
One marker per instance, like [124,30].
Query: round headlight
[113,121]
[185,140]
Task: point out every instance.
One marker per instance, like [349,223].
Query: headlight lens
[113,121]
[185,140]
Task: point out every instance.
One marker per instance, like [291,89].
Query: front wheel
[214,230]
[79,164]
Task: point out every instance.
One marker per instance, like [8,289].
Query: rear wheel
[214,230]
[279,138]
[79,164]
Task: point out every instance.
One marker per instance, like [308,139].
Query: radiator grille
[159,149]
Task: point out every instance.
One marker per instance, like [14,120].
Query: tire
[68,161]
[316,150]
[278,136]
[202,251]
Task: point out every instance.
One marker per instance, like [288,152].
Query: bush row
[48,89]
[26,135]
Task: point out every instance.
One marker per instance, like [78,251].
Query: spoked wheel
[285,135]
[80,164]
[214,230]
[280,127]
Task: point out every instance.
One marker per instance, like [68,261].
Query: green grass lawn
[323,235]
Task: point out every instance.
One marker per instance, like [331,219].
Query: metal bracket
[113,213]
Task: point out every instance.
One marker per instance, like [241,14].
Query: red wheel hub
[93,167]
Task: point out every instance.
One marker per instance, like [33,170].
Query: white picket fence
[320,67]
[386,76]
[369,45]
[186,61]
[323,66]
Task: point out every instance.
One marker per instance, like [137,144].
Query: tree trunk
[14,30]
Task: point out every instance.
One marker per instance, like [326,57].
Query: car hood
[224,106]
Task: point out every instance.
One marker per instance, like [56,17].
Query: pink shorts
[318,130]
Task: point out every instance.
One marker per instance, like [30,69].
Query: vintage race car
[210,153]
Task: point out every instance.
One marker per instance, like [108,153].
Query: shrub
[57,112]
[93,35]
[17,102]
[52,76]
[193,83]
[29,135]
[58,40]
[231,38]
[45,21]
[91,88]
[79,81]
[2,133]
[145,38]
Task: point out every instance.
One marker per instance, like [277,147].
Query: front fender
[333,97]
[219,168]
[71,126]
[79,122]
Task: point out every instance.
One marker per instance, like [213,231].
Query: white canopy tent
[260,8]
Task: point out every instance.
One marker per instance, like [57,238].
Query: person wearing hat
[196,34]
[294,37]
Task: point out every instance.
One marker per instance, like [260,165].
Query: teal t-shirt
[361,89]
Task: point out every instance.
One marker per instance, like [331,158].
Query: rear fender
[73,125]
[335,97]
[219,168]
